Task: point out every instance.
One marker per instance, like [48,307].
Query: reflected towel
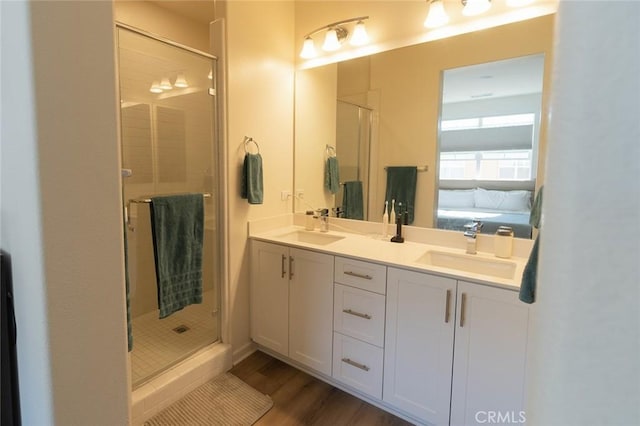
[530,273]
[352,203]
[252,186]
[529,276]
[177,226]
[401,186]
[332,175]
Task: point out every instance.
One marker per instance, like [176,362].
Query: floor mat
[225,400]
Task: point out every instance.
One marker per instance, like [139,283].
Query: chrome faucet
[471,231]
[324,220]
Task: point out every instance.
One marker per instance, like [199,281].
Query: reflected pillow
[450,198]
[503,200]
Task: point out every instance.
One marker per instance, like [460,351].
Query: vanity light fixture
[336,34]
[437,16]
[475,7]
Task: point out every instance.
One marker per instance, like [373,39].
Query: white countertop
[371,247]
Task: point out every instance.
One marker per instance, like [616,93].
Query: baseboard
[243,352]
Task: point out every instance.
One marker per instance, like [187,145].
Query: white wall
[587,323]
[20,213]
[259,70]
[61,211]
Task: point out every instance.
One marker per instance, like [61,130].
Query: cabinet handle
[354,274]
[355,364]
[284,258]
[463,305]
[290,267]
[447,309]
[357,314]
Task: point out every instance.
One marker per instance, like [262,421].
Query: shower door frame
[219,150]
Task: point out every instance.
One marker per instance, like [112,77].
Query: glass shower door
[168,147]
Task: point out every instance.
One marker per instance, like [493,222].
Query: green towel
[352,203]
[126,285]
[177,225]
[332,175]
[252,186]
[530,273]
[401,186]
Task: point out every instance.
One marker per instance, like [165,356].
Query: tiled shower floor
[156,346]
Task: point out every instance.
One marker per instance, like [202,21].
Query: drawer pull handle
[354,274]
[355,364]
[357,314]
[291,267]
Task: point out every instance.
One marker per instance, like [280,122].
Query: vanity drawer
[358,364]
[359,313]
[364,275]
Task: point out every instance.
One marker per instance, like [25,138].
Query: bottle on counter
[503,242]
[310,221]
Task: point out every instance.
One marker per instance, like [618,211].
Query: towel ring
[331,151]
[247,141]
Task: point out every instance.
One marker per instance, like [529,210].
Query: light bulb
[165,84]
[308,49]
[360,35]
[437,16]
[476,7]
[155,88]
[331,41]
[181,81]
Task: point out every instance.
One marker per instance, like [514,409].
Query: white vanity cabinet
[419,344]
[454,351]
[490,355]
[291,303]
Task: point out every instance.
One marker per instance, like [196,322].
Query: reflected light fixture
[336,34]
[155,87]
[475,7]
[165,84]
[437,16]
[181,82]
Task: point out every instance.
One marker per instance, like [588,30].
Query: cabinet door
[419,344]
[490,355]
[269,295]
[311,309]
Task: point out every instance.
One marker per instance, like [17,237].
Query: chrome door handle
[290,267]
[463,305]
[447,309]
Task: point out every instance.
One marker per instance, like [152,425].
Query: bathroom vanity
[422,330]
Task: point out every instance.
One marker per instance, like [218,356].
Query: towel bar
[420,168]
[148,200]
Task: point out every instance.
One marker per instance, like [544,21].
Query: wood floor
[300,399]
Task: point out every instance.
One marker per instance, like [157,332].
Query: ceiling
[202,11]
[511,77]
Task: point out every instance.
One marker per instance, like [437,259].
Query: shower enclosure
[168,128]
[353,145]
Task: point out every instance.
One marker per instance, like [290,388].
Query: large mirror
[402,92]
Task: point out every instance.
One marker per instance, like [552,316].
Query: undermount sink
[310,237]
[469,263]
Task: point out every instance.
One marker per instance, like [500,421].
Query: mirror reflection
[488,144]
[402,92]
